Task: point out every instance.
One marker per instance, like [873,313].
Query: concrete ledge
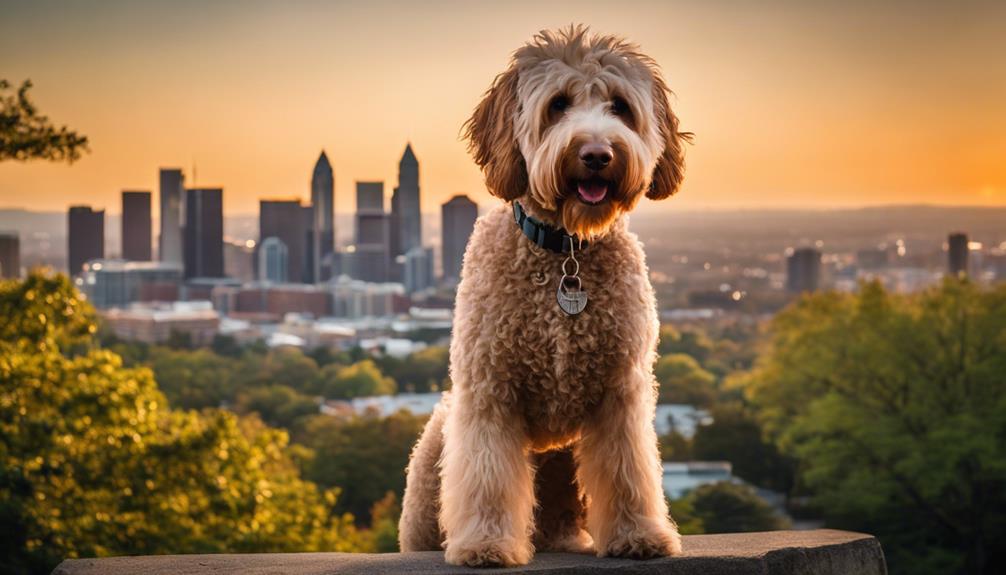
[819,552]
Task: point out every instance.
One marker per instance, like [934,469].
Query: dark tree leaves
[27,135]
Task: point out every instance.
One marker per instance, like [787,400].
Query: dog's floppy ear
[670,170]
[491,139]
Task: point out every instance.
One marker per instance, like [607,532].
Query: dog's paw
[488,553]
[643,541]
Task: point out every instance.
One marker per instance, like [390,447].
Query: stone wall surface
[818,552]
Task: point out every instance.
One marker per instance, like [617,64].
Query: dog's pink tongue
[592,192]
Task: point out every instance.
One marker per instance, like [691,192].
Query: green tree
[278,405]
[94,463]
[384,517]
[421,371]
[691,342]
[193,379]
[895,407]
[727,507]
[27,135]
[675,447]
[358,380]
[286,366]
[682,380]
[735,435]
[364,455]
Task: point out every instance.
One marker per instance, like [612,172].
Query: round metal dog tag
[571,301]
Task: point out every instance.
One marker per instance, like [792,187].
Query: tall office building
[457,221]
[136,235]
[285,220]
[406,220]
[273,260]
[418,269]
[172,191]
[370,259]
[803,270]
[323,219]
[204,233]
[10,256]
[85,237]
[238,260]
[957,254]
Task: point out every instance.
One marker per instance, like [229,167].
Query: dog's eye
[558,104]
[619,107]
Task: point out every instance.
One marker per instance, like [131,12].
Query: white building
[682,477]
[359,299]
[680,417]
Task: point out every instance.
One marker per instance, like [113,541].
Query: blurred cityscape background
[228,283]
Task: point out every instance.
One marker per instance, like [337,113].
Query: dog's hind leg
[419,526]
[560,515]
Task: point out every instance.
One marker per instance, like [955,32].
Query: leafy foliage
[26,135]
[93,462]
[358,380]
[365,455]
[422,371]
[683,380]
[895,407]
[727,507]
[735,435]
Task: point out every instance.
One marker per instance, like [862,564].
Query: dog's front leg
[487,495]
[621,472]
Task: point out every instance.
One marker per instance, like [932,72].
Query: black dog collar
[544,235]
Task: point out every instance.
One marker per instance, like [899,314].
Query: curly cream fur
[546,440]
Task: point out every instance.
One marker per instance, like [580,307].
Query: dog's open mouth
[593,190]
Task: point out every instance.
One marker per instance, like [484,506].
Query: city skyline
[793,105]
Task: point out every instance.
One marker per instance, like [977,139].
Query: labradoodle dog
[546,440]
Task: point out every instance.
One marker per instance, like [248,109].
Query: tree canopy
[895,408]
[25,134]
[93,461]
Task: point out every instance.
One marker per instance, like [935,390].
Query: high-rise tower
[85,237]
[458,217]
[10,255]
[803,270]
[284,219]
[204,233]
[170,247]
[406,228]
[957,254]
[323,220]
[136,226]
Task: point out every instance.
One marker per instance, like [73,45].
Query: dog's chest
[563,364]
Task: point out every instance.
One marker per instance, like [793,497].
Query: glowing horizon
[794,105]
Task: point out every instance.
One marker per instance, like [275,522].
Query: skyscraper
[370,259]
[458,217]
[85,237]
[238,260]
[136,226]
[803,270]
[405,216]
[204,233]
[323,220]
[10,255]
[172,197]
[273,260]
[418,273]
[284,219]
[957,254]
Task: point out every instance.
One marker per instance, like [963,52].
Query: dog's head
[578,127]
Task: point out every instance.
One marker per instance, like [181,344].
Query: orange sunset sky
[793,104]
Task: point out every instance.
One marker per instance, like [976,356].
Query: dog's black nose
[595,155]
